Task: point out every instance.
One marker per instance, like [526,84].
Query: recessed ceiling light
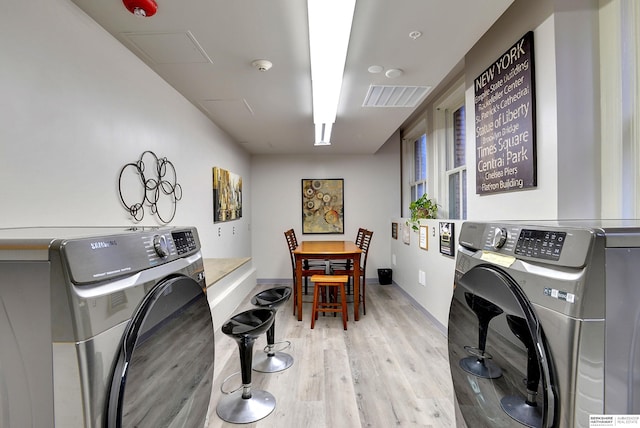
[415,34]
[393,73]
[375,69]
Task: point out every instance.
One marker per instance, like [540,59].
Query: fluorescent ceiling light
[323,134]
[329,31]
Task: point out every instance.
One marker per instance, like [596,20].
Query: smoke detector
[262,64]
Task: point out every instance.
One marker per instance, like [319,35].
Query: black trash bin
[384,276]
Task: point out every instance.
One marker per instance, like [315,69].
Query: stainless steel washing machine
[544,324]
[103,327]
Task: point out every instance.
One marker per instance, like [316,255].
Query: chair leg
[343,298]
[295,296]
[314,309]
[364,298]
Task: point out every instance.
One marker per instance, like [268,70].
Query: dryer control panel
[552,243]
[541,244]
[184,241]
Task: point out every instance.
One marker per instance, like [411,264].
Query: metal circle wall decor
[157,177]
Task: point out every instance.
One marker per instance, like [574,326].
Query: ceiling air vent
[394,96]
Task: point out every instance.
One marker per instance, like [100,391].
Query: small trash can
[384,276]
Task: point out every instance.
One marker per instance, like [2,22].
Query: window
[434,160]
[450,136]
[620,108]
[417,165]
[418,182]
[456,170]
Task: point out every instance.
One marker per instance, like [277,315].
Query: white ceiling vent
[394,96]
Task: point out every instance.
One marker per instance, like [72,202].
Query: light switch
[422,277]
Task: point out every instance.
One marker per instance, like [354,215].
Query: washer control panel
[541,244]
[184,241]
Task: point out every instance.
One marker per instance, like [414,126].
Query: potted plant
[423,207]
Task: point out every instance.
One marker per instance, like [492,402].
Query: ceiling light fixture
[143,8]
[392,73]
[329,31]
[323,134]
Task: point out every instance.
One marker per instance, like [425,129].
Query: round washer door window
[164,372]
[498,354]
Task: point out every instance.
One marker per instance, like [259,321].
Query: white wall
[542,201]
[567,140]
[76,107]
[435,295]
[371,199]
[567,110]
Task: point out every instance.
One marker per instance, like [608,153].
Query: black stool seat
[271,361]
[272,298]
[480,364]
[243,405]
[525,409]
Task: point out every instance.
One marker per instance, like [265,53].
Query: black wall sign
[447,239]
[505,122]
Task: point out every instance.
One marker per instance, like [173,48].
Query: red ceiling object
[141,7]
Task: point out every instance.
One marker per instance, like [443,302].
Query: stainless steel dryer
[103,327]
[544,324]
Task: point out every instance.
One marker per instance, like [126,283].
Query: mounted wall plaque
[505,122]
[447,239]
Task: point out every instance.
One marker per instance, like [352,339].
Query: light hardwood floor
[388,369]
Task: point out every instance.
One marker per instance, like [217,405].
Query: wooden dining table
[328,250]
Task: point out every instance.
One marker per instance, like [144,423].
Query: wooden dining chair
[364,246]
[346,264]
[307,268]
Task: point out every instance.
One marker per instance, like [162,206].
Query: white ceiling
[204,49]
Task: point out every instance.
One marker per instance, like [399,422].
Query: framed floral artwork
[322,205]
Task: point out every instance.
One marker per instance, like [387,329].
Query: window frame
[408,164]
[443,111]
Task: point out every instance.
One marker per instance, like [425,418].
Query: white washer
[103,327]
[544,325]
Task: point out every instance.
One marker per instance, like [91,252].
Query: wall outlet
[393,259]
[422,277]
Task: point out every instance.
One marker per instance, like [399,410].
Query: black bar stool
[243,405]
[480,364]
[271,361]
[525,409]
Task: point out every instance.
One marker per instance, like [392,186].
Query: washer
[544,324]
[104,327]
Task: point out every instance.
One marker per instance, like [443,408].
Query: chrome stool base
[521,411]
[276,362]
[238,410]
[483,368]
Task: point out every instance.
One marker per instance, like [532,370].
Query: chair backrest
[292,242]
[360,235]
[364,246]
[290,235]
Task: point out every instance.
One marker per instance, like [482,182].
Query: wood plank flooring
[388,369]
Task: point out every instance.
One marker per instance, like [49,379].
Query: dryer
[544,324]
[104,327]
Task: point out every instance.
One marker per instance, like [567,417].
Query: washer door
[498,355]
[164,371]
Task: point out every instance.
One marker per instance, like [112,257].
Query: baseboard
[437,324]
